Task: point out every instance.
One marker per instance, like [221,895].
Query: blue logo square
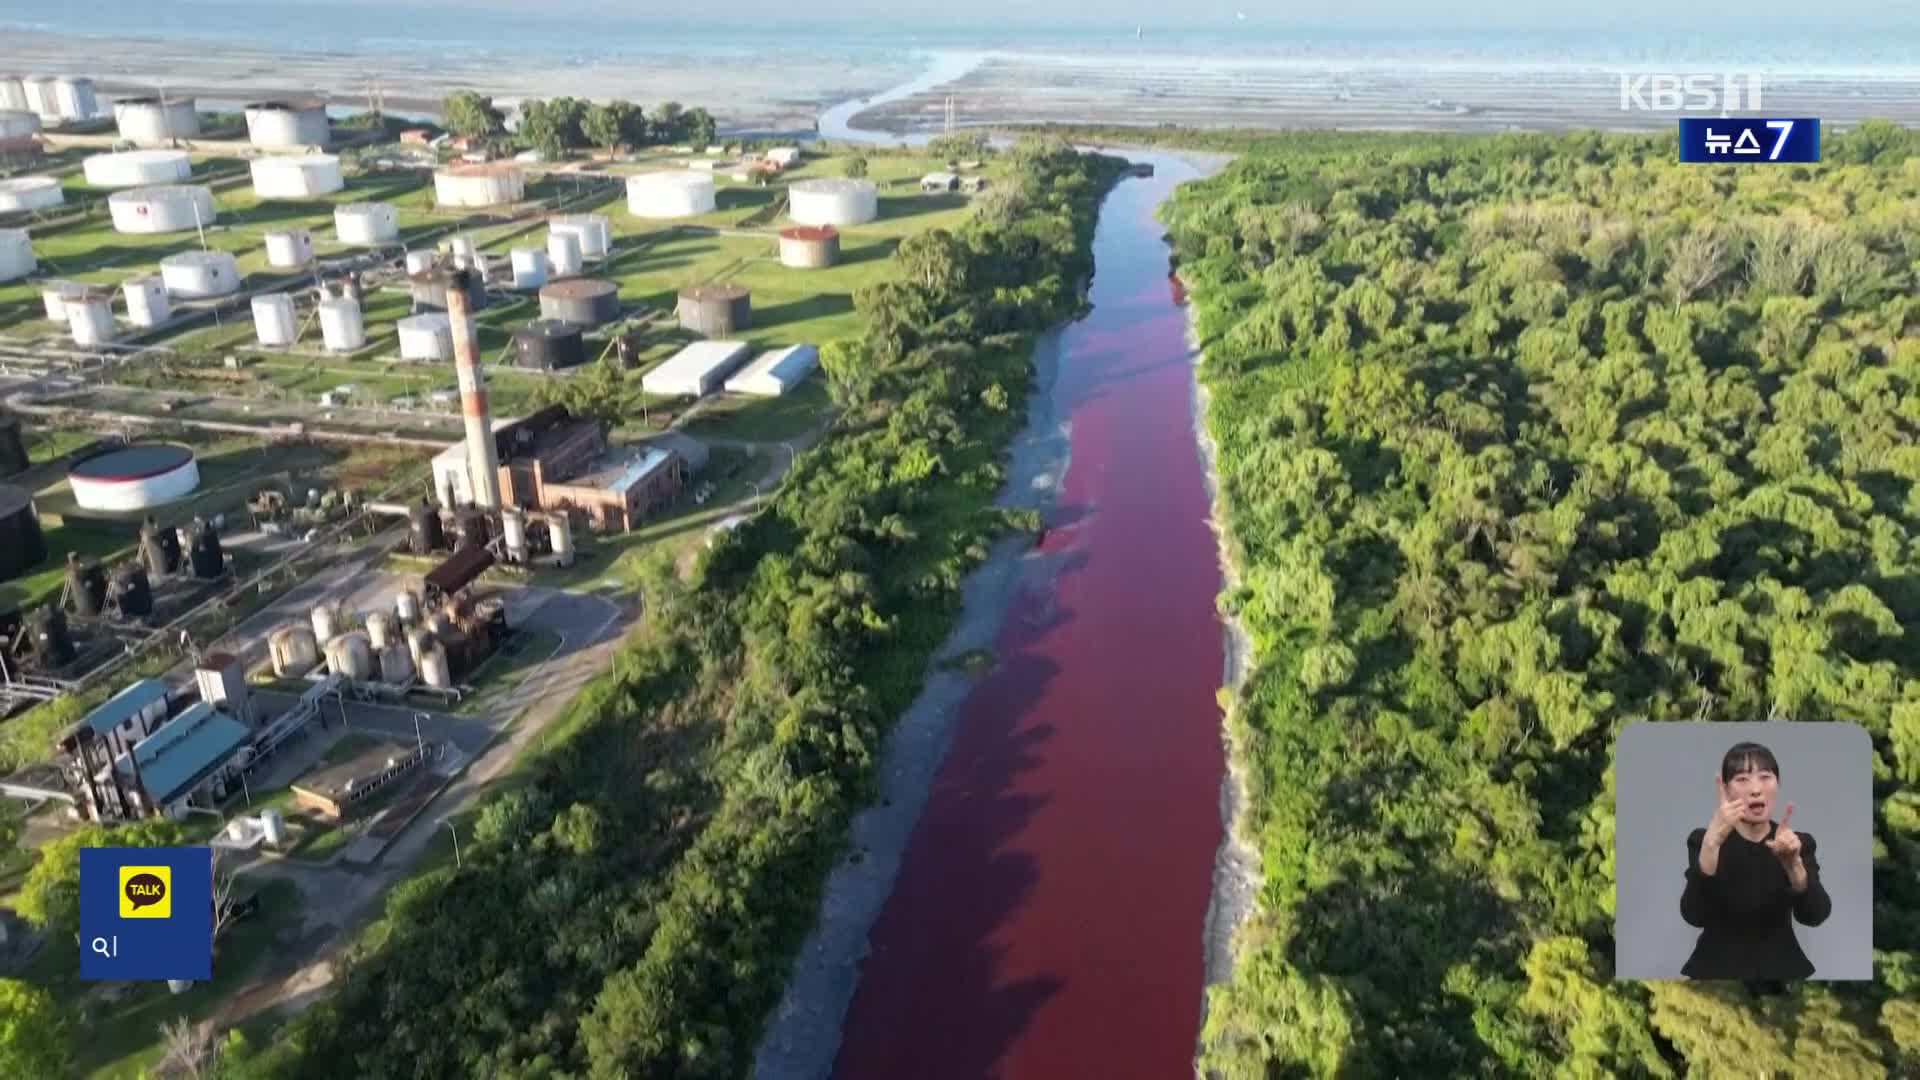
[146,913]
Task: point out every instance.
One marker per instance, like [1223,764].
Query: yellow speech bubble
[146,892]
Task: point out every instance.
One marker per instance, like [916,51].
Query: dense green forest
[632,908]
[1523,439]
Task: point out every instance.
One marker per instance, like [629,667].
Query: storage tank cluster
[18,123]
[837,201]
[660,195]
[289,249]
[60,98]
[809,247]
[173,208]
[716,311]
[152,119]
[197,275]
[581,301]
[493,184]
[297,177]
[427,336]
[596,238]
[24,193]
[146,298]
[281,124]
[273,320]
[16,255]
[366,224]
[549,345]
[137,168]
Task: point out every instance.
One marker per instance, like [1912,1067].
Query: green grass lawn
[757,419]
[88,540]
[506,669]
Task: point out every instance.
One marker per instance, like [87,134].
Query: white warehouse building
[833,201]
[299,177]
[774,373]
[479,185]
[137,168]
[197,275]
[24,193]
[16,255]
[697,370]
[156,120]
[175,208]
[366,224]
[669,194]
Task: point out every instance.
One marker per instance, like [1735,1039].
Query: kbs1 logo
[1689,93]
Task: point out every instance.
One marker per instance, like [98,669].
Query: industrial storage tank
[396,664]
[471,527]
[809,247]
[293,651]
[47,627]
[55,294]
[147,303]
[134,477]
[137,168]
[581,301]
[22,545]
[16,255]
[289,249]
[273,322]
[513,533]
[90,318]
[40,96]
[366,224]
[426,337]
[424,534]
[18,123]
[23,193]
[288,123]
[660,195]
[420,261]
[300,177]
[12,94]
[479,185]
[549,345]
[342,328]
[152,119]
[132,591]
[327,620]
[560,535]
[429,289]
[174,208]
[563,251]
[350,656]
[13,449]
[86,586]
[434,670]
[596,238]
[419,641]
[716,311]
[203,551]
[160,548]
[380,629]
[529,267]
[833,201]
[74,99]
[196,275]
[406,606]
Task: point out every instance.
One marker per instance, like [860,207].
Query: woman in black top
[1749,878]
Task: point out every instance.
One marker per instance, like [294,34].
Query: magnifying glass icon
[100,947]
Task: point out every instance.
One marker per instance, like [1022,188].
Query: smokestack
[483,463]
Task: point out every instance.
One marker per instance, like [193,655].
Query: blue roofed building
[187,761]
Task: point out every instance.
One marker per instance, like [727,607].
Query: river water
[1047,920]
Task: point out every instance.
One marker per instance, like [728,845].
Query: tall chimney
[483,463]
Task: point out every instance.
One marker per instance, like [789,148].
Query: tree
[701,130]
[850,372]
[553,127]
[33,1033]
[669,123]
[472,115]
[190,1052]
[50,897]
[613,124]
[855,167]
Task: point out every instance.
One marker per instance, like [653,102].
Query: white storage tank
[341,325]
[277,124]
[660,195]
[596,239]
[13,96]
[273,321]
[427,336]
[151,119]
[465,253]
[194,275]
[349,656]
[380,629]
[419,262]
[492,184]
[23,193]
[90,318]
[289,249]
[18,123]
[563,252]
[326,621]
[137,168]
[16,255]
[529,267]
[396,664]
[147,303]
[273,827]
[433,666]
[560,535]
[366,224]
[406,606]
[513,533]
[175,208]
[40,96]
[833,201]
[54,296]
[293,651]
[74,98]
[420,641]
[301,177]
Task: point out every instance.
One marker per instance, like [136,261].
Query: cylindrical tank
[12,94]
[153,120]
[833,201]
[350,656]
[86,586]
[560,535]
[294,651]
[396,663]
[298,177]
[18,123]
[716,311]
[273,322]
[160,548]
[23,193]
[194,275]
[277,124]
[22,545]
[420,261]
[581,301]
[426,337]
[440,623]
[147,303]
[433,667]
[424,534]
[16,255]
[513,533]
[74,99]
[341,326]
[90,318]
[406,607]
[52,644]
[464,253]
[563,251]
[380,629]
[54,296]
[479,185]
[809,247]
[471,528]
[273,826]
[137,168]
[289,249]
[529,267]
[596,239]
[549,345]
[366,224]
[130,584]
[661,195]
[419,640]
[205,555]
[13,450]
[326,622]
[174,208]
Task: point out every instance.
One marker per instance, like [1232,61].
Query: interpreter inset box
[1743,851]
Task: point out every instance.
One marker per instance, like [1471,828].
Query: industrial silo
[716,311]
[596,239]
[293,651]
[305,176]
[132,591]
[833,201]
[366,224]
[529,267]
[159,549]
[425,535]
[381,631]
[25,193]
[581,301]
[350,656]
[52,643]
[563,253]
[18,124]
[55,294]
[809,247]
[420,261]
[195,275]
[560,536]
[204,554]
[74,99]
[289,249]
[434,669]
[86,586]
[175,208]
[427,336]
[327,621]
[663,195]
[396,663]
[90,318]
[494,184]
[40,97]
[273,320]
[156,120]
[281,124]
[22,545]
[137,168]
[513,534]
[342,327]
[16,255]
[549,345]
[147,303]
